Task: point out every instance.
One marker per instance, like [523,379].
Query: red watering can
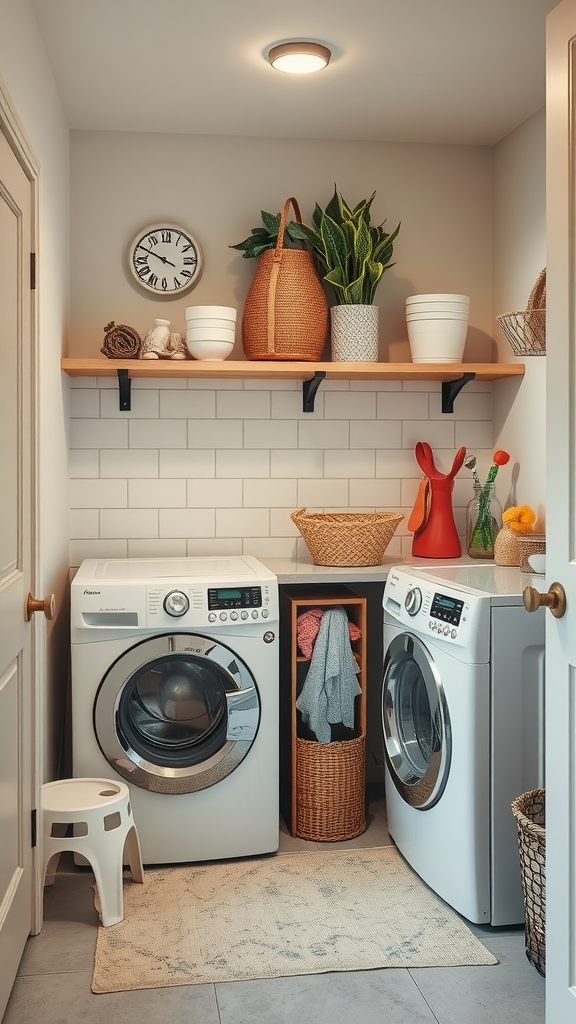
[432,518]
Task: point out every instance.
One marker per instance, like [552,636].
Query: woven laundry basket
[330,785]
[286,309]
[346,538]
[525,330]
[529,811]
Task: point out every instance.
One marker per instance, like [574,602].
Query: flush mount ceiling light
[299,58]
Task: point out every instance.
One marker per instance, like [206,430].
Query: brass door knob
[555,599]
[34,604]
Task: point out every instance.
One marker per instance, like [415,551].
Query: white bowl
[442,314]
[211,321]
[228,312]
[441,341]
[439,297]
[209,334]
[213,350]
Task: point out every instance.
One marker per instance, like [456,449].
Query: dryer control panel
[444,614]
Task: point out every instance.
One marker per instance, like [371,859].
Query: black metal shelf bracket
[124,388]
[451,388]
[309,389]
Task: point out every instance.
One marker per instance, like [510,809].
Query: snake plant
[351,251]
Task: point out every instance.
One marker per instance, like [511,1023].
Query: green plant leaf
[271,222]
[334,242]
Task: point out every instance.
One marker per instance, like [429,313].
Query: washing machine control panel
[234,597]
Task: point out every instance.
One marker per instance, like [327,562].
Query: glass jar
[483,521]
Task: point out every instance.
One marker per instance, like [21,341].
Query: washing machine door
[415,721]
[177,713]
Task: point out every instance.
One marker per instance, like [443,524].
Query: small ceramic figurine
[159,343]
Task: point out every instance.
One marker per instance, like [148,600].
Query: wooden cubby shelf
[453,376]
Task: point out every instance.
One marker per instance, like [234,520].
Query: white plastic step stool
[99,814]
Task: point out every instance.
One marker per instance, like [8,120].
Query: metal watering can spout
[432,518]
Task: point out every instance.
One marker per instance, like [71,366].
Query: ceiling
[447,71]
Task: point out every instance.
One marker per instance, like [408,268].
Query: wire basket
[525,330]
[346,538]
[529,811]
[330,784]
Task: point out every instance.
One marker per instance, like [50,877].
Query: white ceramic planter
[437,341]
[354,334]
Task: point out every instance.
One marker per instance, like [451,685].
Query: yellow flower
[520,518]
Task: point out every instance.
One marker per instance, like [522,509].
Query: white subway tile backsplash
[91,433]
[225,493]
[128,523]
[98,493]
[85,403]
[186,522]
[157,493]
[81,549]
[242,522]
[158,433]
[353,405]
[272,433]
[404,405]
[322,493]
[268,493]
[128,462]
[216,467]
[188,404]
[143,404]
[375,434]
[84,523]
[289,405]
[216,434]
[188,462]
[247,463]
[438,434]
[347,463]
[84,462]
[243,404]
[323,434]
[375,494]
[297,463]
[157,548]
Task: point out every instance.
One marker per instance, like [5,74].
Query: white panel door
[16,705]
[561,516]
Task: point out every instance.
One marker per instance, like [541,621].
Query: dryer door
[415,720]
[176,713]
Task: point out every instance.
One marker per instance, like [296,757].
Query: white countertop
[302,571]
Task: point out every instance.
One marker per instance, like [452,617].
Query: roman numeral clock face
[165,259]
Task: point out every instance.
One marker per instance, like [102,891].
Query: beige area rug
[270,917]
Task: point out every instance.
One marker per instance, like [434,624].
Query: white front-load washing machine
[175,691]
[462,716]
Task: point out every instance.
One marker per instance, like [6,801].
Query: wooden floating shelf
[454,376]
[274,369]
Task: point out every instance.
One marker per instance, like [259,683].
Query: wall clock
[165,259]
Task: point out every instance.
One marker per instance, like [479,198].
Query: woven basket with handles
[526,330]
[286,310]
[346,538]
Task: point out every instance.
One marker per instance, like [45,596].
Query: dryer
[462,716]
[175,691]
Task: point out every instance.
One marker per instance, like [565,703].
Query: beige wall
[217,186]
[28,81]
[519,216]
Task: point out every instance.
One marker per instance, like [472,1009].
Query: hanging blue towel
[331,685]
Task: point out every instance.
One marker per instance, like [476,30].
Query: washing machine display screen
[449,609]
[239,597]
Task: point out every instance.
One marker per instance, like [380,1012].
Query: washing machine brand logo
[94,592]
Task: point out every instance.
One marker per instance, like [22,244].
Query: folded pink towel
[307,626]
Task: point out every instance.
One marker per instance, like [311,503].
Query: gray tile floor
[53,984]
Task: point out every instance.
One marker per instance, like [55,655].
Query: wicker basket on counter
[346,538]
[525,330]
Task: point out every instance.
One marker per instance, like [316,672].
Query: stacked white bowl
[210,331]
[437,326]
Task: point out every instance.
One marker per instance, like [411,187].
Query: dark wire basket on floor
[529,811]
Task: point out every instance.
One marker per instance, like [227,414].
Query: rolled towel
[307,626]
[121,342]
